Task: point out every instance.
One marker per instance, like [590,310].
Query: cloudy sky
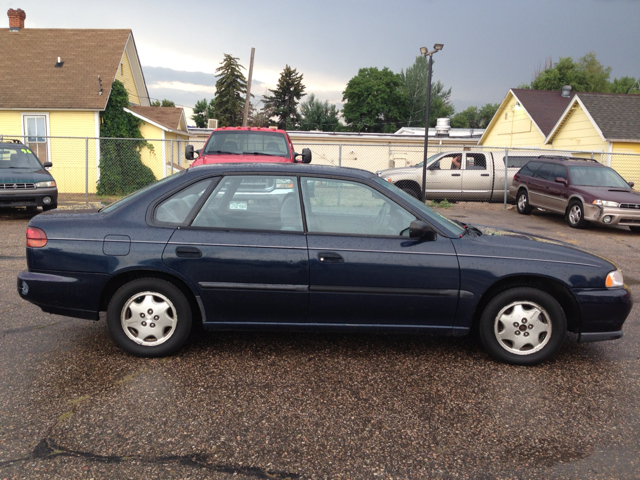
[489,45]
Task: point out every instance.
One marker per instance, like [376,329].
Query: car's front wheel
[523,326]
[635,229]
[149,317]
[575,215]
[413,191]
[522,203]
[46,208]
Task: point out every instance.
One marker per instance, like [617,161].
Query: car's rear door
[476,177]
[365,270]
[246,251]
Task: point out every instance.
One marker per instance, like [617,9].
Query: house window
[35,130]
[121,69]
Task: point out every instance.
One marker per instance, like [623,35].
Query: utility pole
[245,117]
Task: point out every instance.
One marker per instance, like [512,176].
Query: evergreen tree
[202,111]
[163,103]
[231,90]
[283,101]
[121,169]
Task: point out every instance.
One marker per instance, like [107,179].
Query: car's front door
[444,180]
[246,252]
[365,270]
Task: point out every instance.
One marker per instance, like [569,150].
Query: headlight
[614,279]
[605,203]
[45,184]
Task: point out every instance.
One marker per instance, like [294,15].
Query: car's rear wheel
[149,317]
[575,215]
[523,326]
[635,229]
[522,203]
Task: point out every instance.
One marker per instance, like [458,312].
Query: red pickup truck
[247,144]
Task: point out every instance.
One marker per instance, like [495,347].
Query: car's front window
[429,160]
[345,207]
[247,142]
[596,177]
[18,157]
[448,226]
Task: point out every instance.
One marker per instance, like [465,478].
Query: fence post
[506,171]
[86,169]
[171,157]
[339,155]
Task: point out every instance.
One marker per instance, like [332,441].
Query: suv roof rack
[565,158]
[9,140]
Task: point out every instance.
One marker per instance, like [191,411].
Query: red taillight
[36,237]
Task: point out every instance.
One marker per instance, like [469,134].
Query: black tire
[413,191]
[32,209]
[635,229]
[540,331]
[166,328]
[522,203]
[46,208]
[575,215]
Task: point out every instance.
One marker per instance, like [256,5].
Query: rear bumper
[63,293]
[603,312]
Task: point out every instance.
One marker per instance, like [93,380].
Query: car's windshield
[429,160]
[124,200]
[441,221]
[596,177]
[247,142]
[18,157]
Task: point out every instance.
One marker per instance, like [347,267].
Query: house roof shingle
[30,79]
[617,115]
[544,106]
[168,117]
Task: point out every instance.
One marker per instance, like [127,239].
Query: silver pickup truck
[461,175]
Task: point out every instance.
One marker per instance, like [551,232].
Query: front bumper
[603,312]
[64,293]
[629,217]
[28,197]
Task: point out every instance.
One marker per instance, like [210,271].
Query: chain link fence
[116,167]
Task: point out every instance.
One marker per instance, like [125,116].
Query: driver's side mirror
[189,152]
[47,165]
[422,231]
[434,166]
[306,155]
[562,181]
[631,184]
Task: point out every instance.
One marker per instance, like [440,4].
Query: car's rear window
[247,142]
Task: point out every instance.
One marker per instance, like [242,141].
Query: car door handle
[484,174]
[455,174]
[330,257]
[188,252]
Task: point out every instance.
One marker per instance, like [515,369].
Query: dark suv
[581,189]
[24,182]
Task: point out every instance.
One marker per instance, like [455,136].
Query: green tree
[473,117]
[283,101]
[163,103]
[585,75]
[202,111]
[317,115]
[415,82]
[625,85]
[375,101]
[231,90]
[121,169]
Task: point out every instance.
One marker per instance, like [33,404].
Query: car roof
[246,129]
[284,168]
[11,143]
[565,160]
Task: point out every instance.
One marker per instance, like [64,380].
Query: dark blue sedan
[261,246]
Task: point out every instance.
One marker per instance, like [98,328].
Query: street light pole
[424,51]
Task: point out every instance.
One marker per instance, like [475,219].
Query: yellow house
[165,129]
[602,122]
[525,118]
[55,83]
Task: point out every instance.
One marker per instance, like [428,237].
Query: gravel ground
[273,405]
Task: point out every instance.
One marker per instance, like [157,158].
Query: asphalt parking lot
[274,405]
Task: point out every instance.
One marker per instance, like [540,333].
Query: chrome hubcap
[575,214]
[149,318]
[522,328]
[522,202]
